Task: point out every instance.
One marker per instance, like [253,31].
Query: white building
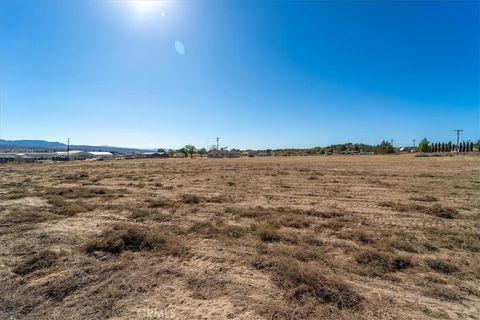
[76,154]
[101,155]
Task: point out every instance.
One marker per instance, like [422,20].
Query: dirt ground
[347,237]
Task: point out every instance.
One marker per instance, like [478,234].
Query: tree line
[427,146]
[188,150]
[385,147]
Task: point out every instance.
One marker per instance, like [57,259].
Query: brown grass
[347,237]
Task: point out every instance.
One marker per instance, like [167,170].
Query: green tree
[161,150]
[423,145]
[471,146]
[385,148]
[449,148]
[190,150]
[202,152]
[184,151]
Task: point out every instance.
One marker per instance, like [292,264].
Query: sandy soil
[354,237]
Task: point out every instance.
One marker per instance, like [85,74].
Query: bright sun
[146,8]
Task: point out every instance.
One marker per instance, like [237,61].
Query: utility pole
[414,145]
[68,149]
[218,139]
[458,138]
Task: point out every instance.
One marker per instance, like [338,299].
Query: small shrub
[430,246]
[234,231]
[268,234]
[41,260]
[436,210]
[311,239]
[381,263]
[403,245]
[295,221]
[424,198]
[123,237]
[442,266]
[254,213]
[306,255]
[191,199]
[68,208]
[31,216]
[17,195]
[305,281]
[443,293]
[442,212]
[160,203]
[140,214]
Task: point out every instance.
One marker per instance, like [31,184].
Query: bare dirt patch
[347,237]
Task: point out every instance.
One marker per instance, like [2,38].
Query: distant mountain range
[41,145]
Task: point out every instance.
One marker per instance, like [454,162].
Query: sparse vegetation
[126,238]
[294,238]
[39,261]
[442,266]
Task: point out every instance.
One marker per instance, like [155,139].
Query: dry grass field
[355,237]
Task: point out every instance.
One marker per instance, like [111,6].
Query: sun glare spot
[146,9]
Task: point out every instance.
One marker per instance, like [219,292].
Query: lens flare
[180,47]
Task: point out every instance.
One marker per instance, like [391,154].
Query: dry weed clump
[426,198]
[443,292]
[41,260]
[302,281]
[442,266]
[215,229]
[191,199]
[253,213]
[378,263]
[78,192]
[207,287]
[19,194]
[26,216]
[160,203]
[403,245]
[435,210]
[267,233]
[68,207]
[124,237]
[141,215]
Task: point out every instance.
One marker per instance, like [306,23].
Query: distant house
[7,157]
[31,157]
[223,154]
[265,153]
[75,154]
[155,155]
[101,155]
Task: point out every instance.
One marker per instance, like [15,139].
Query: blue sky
[258,74]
